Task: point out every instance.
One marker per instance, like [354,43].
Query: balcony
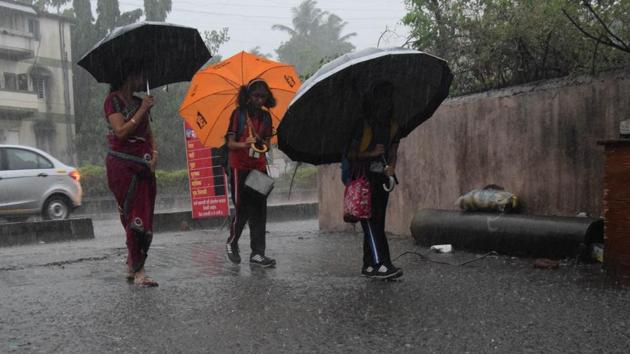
[17,104]
[16,45]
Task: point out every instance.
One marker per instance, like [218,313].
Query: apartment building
[36,94]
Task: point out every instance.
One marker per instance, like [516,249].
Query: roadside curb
[183,221]
[23,233]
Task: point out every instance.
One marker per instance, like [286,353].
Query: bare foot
[142,279]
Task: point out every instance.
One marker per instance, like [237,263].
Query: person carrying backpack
[250,129]
[372,153]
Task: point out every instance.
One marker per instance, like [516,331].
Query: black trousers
[250,208]
[375,246]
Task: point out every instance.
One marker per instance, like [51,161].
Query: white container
[442,248]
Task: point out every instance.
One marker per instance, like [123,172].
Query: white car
[34,183]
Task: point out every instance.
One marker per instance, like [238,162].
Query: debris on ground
[597,252]
[544,263]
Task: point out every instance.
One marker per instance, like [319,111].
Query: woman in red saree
[130,166]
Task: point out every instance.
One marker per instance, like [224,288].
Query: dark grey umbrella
[166,53]
[326,111]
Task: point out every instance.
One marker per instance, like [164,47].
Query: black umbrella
[326,111]
[166,53]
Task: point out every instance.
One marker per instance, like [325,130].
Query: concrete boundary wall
[538,141]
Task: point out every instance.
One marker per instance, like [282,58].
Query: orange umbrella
[213,93]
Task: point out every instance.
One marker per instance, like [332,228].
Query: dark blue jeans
[375,246]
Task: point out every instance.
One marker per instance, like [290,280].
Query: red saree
[131,180]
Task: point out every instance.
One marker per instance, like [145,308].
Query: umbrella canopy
[213,93]
[166,53]
[325,113]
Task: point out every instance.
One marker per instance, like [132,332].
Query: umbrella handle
[261,150]
[393,180]
[391,183]
[264,148]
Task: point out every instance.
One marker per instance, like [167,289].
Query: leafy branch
[607,38]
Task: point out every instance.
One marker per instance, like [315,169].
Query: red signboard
[208,183]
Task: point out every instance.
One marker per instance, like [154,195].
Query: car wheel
[56,208]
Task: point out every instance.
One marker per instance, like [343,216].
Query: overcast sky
[250,21]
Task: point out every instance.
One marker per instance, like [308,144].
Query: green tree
[496,43]
[45,4]
[601,22]
[157,10]
[84,36]
[256,51]
[214,40]
[110,17]
[89,126]
[314,38]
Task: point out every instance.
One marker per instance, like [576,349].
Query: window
[18,159]
[33,27]
[8,19]
[22,82]
[39,86]
[10,81]
[43,162]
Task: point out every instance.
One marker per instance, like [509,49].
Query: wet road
[72,297]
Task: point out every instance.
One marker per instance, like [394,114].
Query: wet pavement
[73,297]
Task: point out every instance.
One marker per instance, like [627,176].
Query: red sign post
[208,183]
